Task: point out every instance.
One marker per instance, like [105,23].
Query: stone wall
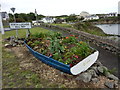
[103,42]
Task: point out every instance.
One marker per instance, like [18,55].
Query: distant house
[91,17]
[5,16]
[112,14]
[48,19]
[87,16]
[108,15]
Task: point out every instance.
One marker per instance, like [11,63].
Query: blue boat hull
[47,60]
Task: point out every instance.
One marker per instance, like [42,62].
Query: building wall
[91,17]
[5,16]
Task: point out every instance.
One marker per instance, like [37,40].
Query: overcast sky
[60,7]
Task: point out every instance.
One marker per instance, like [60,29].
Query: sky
[119,7]
[60,7]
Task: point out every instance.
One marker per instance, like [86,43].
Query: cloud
[60,7]
[119,7]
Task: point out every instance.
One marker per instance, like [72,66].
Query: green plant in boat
[70,40]
[67,50]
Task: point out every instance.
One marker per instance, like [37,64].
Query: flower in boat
[76,56]
[71,64]
[72,35]
[65,46]
[60,41]
[81,42]
[42,42]
[50,55]
[67,37]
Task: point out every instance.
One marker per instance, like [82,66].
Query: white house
[48,19]
[91,17]
[112,14]
[5,16]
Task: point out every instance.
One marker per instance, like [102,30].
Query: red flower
[72,35]
[75,61]
[67,37]
[76,56]
[76,37]
[50,55]
[71,64]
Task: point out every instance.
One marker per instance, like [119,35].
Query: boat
[75,70]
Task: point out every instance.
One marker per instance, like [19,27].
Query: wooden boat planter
[76,69]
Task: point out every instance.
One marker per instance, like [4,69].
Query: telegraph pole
[36,17]
[1,24]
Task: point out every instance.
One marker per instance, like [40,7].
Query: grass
[22,32]
[95,32]
[6,26]
[84,27]
[64,25]
[15,77]
[89,28]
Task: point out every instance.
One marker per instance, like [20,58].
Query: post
[1,24]
[16,29]
[13,10]
[36,17]
[27,33]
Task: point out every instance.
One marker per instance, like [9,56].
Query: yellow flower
[66,63]
[65,46]
[42,42]
[60,41]
[81,42]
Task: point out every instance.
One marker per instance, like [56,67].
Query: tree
[20,20]
[11,19]
[31,16]
[23,17]
[71,18]
[40,17]
[58,20]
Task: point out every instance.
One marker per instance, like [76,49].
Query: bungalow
[48,19]
[91,17]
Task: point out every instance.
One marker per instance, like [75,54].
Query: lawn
[22,32]
[12,74]
[64,25]
[85,28]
